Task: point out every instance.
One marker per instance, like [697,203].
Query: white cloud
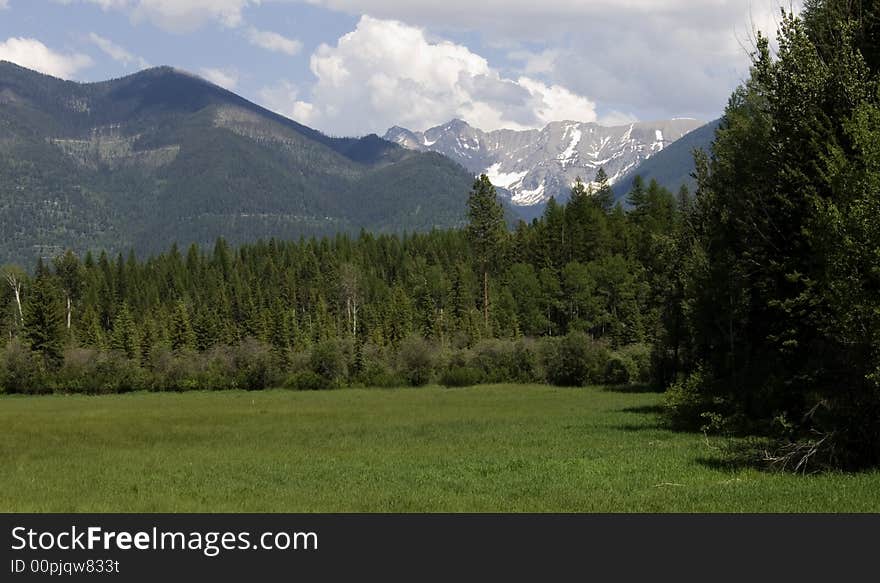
[187,15]
[226,78]
[179,16]
[4,4]
[387,73]
[661,57]
[272,41]
[283,98]
[104,4]
[536,63]
[116,52]
[33,54]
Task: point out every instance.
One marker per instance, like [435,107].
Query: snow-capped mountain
[533,165]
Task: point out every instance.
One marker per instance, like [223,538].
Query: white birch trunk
[15,284]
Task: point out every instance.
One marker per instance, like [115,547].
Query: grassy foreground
[499,448]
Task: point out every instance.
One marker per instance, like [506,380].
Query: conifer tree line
[364,304]
[777,328]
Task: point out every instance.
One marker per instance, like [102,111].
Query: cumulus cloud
[187,15]
[272,41]
[660,57]
[226,78]
[385,73]
[33,54]
[4,4]
[283,98]
[116,52]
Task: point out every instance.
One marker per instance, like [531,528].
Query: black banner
[146,547]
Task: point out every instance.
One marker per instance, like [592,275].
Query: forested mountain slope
[164,156]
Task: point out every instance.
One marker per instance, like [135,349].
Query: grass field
[498,448]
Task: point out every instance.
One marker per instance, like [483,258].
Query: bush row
[573,360]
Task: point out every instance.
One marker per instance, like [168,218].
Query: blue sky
[350,67]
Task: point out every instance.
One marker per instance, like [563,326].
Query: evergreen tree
[604,195]
[486,232]
[124,336]
[44,318]
[782,304]
[182,335]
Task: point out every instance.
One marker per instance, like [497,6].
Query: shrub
[461,376]
[686,404]
[620,370]
[524,362]
[217,372]
[21,370]
[307,380]
[371,368]
[92,372]
[575,360]
[327,361]
[254,366]
[640,356]
[416,361]
[116,373]
[173,371]
[503,361]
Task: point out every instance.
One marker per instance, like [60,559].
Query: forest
[458,306]
[754,303]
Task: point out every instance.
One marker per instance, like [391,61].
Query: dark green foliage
[461,376]
[44,318]
[620,370]
[780,302]
[486,232]
[307,380]
[327,361]
[253,363]
[501,361]
[124,337]
[416,361]
[688,404]
[21,370]
[575,360]
[376,310]
[640,357]
[98,372]
[182,335]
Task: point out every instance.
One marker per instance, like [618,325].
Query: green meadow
[500,448]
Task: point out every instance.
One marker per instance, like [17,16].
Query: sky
[353,67]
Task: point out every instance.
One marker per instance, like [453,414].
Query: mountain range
[531,166]
[164,156]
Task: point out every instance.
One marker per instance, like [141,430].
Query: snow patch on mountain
[530,166]
[570,153]
[504,179]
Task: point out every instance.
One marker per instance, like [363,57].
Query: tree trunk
[15,284]
[486,297]
[354,317]
[69,310]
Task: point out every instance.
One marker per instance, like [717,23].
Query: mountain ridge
[530,166]
[163,155]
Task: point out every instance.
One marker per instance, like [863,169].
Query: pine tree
[182,336]
[124,337]
[486,232]
[604,195]
[44,318]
